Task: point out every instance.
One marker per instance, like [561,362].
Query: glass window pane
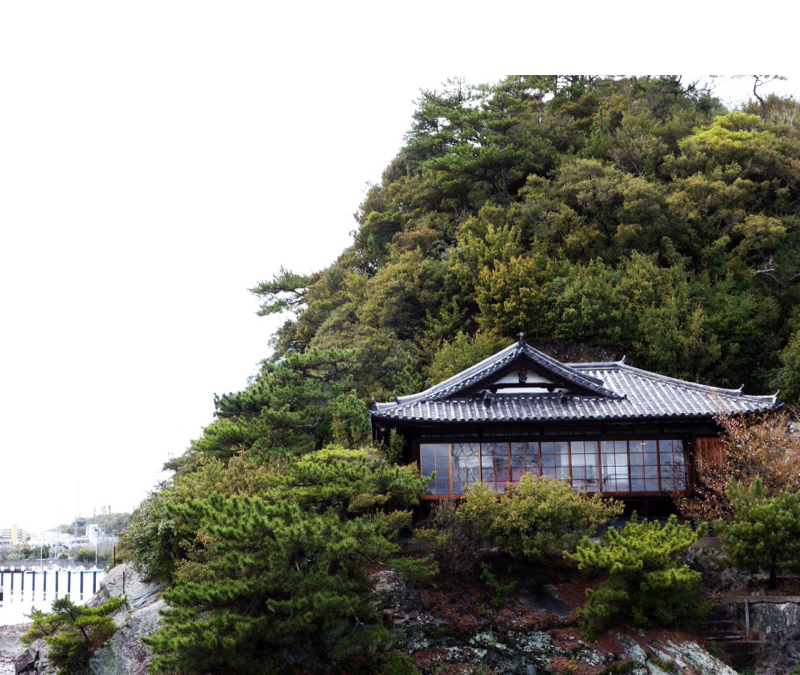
[518,454]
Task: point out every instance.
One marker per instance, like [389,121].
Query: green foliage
[73,632]
[286,291]
[462,352]
[646,583]
[296,405]
[393,450]
[284,565]
[158,538]
[764,531]
[536,518]
[449,538]
[85,554]
[500,591]
[631,213]
[389,663]
[789,374]
[419,569]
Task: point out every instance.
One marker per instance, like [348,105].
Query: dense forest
[636,215]
[601,216]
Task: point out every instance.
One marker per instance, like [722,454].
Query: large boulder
[33,660]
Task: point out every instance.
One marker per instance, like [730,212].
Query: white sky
[159,158]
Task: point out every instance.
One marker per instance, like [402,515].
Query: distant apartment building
[14,534]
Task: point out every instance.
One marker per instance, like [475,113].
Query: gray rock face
[425,636]
[772,619]
[778,624]
[125,653]
[123,580]
[33,660]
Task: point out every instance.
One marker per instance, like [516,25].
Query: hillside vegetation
[600,216]
[631,214]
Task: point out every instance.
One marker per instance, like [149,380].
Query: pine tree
[73,632]
[281,576]
[646,584]
[764,531]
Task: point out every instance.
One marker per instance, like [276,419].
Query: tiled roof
[488,367]
[620,392]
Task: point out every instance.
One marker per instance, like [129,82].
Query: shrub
[450,542]
[764,530]
[85,554]
[646,582]
[500,591]
[73,632]
[536,517]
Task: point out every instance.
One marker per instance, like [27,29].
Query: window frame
[600,465]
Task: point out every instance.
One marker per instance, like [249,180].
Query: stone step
[723,636]
[720,624]
[720,612]
[742,653]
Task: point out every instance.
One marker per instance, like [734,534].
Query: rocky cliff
[446,633]
[125,653]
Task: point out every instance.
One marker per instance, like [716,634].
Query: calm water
[31,593]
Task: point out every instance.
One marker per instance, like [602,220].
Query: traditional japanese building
[605,427]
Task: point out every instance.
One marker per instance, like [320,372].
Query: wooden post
[747,618]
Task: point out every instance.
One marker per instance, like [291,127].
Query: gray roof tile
[619,392]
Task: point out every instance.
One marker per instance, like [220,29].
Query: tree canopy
[633,215]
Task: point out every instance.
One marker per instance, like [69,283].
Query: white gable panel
[531,377]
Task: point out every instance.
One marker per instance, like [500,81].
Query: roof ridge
[687,384]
